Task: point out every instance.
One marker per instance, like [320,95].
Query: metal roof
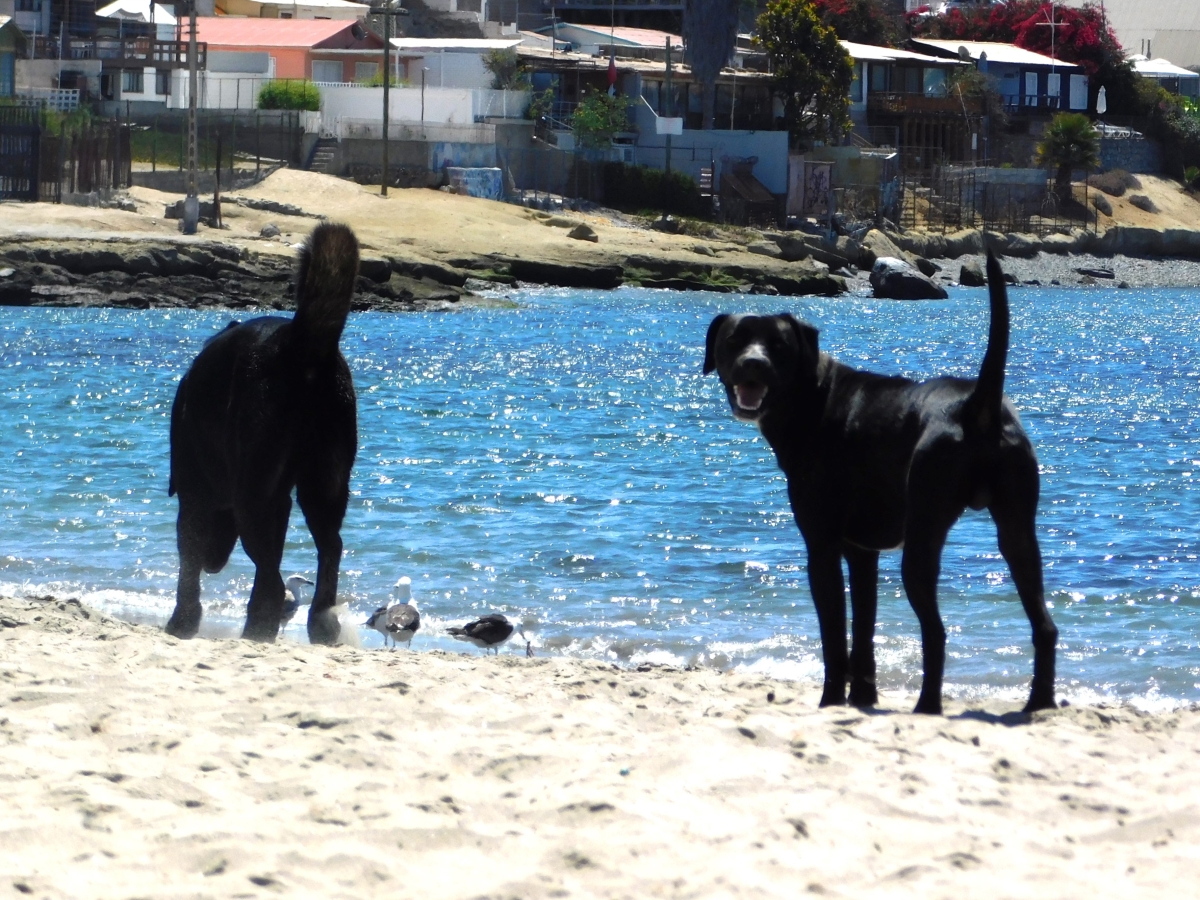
[871,53]
[137,11]
[1160,68]
[996,52]
[455,43]
[233,31]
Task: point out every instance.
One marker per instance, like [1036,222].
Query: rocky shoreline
[165,272]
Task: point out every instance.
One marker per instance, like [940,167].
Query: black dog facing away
[875,462]
[267,406]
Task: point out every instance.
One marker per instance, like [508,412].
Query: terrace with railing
[129,53]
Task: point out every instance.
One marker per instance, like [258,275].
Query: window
[284,15]
[878,78]
[365,71]
[162,82]
[28,6]
[131,81]
[935,82]
[912,80]
[328,71]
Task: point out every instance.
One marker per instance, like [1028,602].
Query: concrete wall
[454,106]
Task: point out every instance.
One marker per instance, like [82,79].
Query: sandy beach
[136,765]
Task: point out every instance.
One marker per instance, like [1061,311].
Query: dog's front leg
[864,586]
[829,595]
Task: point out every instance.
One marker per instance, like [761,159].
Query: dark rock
[584,232]
[1124,284]
[667,224]
[926,268]
[1144,203]
[269,230]
[421,269]
[793,248]
[374,268]
[1087,279]
[894,279]
[577,275]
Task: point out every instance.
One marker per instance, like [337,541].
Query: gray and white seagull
[400,621]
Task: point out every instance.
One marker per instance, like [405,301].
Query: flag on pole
[612,71]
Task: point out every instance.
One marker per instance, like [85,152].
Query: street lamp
[388,12]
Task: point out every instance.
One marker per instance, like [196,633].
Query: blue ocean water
[566,463]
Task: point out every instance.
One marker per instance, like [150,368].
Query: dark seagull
[401,621]
[299,597]
[486,632]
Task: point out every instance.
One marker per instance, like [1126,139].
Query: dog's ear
[710,342]
[806,335]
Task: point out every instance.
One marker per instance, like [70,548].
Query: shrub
[636,188]
[289,95]
[1101,203]
[1114,182]
[1144,203]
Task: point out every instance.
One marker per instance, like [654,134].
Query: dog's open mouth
[749,396]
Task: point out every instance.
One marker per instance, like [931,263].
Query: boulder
[894,279]
[765,248]
[926,268]
[269,230]
[584,232]
[793,248]
[971,274]
[876,245]
[376,269]
[963,243]
[1023,245]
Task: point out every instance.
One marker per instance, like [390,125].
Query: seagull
[486,632]
[401,621]
[295,586]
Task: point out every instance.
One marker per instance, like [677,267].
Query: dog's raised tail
[325,285]
[982,411]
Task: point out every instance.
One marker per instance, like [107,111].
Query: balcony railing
[131,53]
[920,104]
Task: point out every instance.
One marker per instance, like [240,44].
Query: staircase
[323,156]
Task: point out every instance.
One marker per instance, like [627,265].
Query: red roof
[233,31]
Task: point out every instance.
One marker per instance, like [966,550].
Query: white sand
[135,765]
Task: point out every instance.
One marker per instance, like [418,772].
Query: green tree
[508,72]
[709,34]
[598,117]
[1069,142]
[812,71]
[289,95]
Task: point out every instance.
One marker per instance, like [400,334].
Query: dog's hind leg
[324,514]
[829,595]
[1013,511]
[864,586]
[263,526]
[205,538]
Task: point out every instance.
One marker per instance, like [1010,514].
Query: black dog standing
[874,463]
[268,406]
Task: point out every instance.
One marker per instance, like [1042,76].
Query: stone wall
[1132,155]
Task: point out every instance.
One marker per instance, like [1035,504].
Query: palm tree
[1068,143]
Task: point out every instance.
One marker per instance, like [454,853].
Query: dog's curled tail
[325,285]
[982,410]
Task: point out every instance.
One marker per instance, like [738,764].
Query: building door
[1031,88]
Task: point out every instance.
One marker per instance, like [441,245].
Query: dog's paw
[834,694]
[324,627]
[928,706]
[182,627]
[863,693]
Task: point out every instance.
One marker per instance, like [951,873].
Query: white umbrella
[1102,102]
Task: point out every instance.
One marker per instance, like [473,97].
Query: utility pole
[388,12]
[191,204]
